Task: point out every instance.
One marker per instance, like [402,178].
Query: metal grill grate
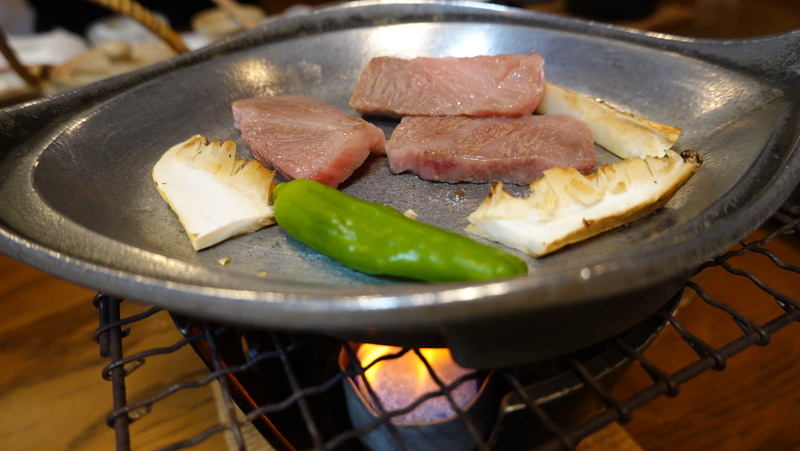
[289,384]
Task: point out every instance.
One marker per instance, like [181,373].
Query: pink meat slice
[302,137]
[500,85]
[482,150]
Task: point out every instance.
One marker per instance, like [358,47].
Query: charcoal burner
[287,384]
[455,419]
[290,385]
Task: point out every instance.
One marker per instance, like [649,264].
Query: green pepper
[379,240]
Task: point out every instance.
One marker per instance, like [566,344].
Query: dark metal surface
[79,202]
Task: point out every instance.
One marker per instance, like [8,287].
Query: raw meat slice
[302,137]
[500,85]
[515,150]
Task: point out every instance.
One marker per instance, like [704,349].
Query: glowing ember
[398,382]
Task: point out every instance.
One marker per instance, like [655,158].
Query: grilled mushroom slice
[622,134]
[215,194]
[565,206]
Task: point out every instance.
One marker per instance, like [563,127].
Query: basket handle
[15,64]
[139,13]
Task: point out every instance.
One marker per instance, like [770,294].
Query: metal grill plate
[79,202]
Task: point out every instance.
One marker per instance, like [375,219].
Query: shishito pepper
[379,240]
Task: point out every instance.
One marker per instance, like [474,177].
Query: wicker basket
[98,63]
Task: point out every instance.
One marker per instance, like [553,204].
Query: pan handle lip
[774,56]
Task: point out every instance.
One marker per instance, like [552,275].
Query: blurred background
[61,44]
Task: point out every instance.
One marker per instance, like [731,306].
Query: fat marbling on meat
[482,150]
[302,137]
[500,85]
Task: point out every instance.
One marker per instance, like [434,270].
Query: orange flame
[398,382]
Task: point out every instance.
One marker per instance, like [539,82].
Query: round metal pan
[78,200]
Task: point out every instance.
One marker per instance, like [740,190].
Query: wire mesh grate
[287,385]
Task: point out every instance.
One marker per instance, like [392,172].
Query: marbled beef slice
[499,85]
[482,150]
[302,137]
